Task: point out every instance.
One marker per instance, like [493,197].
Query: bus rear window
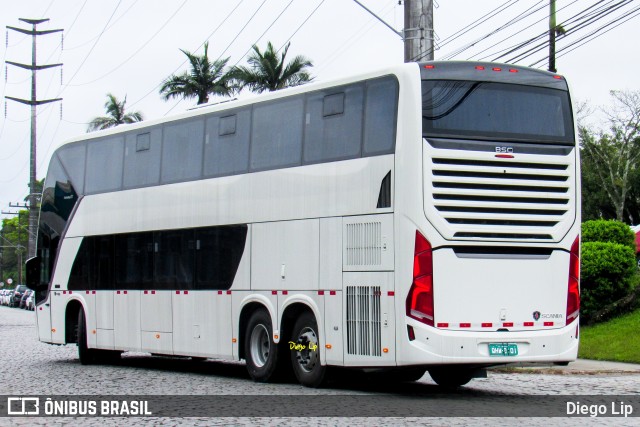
[496,111]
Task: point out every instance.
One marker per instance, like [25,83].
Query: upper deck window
[496,111]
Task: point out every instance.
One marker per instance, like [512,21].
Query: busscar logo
[23,406]
[536,315]
[504,150]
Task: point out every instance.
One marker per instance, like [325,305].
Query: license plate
[503,349]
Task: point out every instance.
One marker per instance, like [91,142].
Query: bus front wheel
[260,351]
[305,351]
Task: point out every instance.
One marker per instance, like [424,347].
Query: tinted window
[58,200]
[182,151]
[102,263]
[104,165]
[73,159]
[276,135]
[380,116]
[226,149]
[488,110]
[333,125]
[134,260]
[142,158]
[218,254]
[174,259]
[80,271]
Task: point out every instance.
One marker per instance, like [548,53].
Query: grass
[617,340]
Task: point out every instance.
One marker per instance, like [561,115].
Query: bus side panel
[368,320]
[331,253]
[104,319]
[285,255]
[58,296]
[126,320]
[156,321]
[43,318]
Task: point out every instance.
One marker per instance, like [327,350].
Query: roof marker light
[513,70]
[497,69]
[479,67]
[557,77]
[429,66]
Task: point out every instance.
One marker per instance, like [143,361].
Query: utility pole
[418,30]
[552,36]
[33,102]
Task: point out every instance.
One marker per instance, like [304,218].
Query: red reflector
[504,156]
[274,292]
[497,69]
[487,325]
[219,292]
[412,334]
[285,292]
[153,292]
[508,324]
[513,70]
[443,325]
[118,292]
[391,293]
[332,292]
[87,292]
[177,292]
[429,66]
[185,292]
[557,77]
[465,325]
[64,292]
[125,292]
[70,292]
[548,323]
[528,323]
[320,292]
[228,292]
[479,67]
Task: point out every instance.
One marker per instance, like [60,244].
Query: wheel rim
[308,357]
[260,345]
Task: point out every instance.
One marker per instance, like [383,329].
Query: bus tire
[306,360]
[86,355]
[260,351]
[451,376]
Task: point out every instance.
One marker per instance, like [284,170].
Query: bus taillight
[573,287]
[420,298]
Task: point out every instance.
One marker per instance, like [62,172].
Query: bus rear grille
[363,243]
[489,199]
[363,320]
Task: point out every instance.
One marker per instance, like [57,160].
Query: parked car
[4,296]
[31,301]
[23,300]
[17,295]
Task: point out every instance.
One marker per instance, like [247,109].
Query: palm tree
[115,115]
[268,72]
[205,78]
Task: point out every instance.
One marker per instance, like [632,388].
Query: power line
[301,25]
[138,50]
[185,61]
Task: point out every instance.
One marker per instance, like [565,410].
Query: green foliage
[608,231]
[607,273]
[15,240]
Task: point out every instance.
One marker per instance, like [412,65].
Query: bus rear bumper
[433,346]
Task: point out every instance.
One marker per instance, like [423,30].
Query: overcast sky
[127,47]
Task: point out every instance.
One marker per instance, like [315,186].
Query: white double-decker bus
[420,217]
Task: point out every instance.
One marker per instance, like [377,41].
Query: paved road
[28,367]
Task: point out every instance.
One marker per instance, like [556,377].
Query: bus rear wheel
[451,376]
[305,354]
[260,351]
[86,355]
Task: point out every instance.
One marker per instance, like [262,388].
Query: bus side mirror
[33,273]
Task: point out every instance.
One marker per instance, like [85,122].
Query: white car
[30,303]
[4,296]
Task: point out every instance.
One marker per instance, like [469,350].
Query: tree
[267,71]
[205,78]
[14,239]
[612,158]
[115,115]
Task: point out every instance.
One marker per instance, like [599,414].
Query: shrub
[607,274]
[608,231]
